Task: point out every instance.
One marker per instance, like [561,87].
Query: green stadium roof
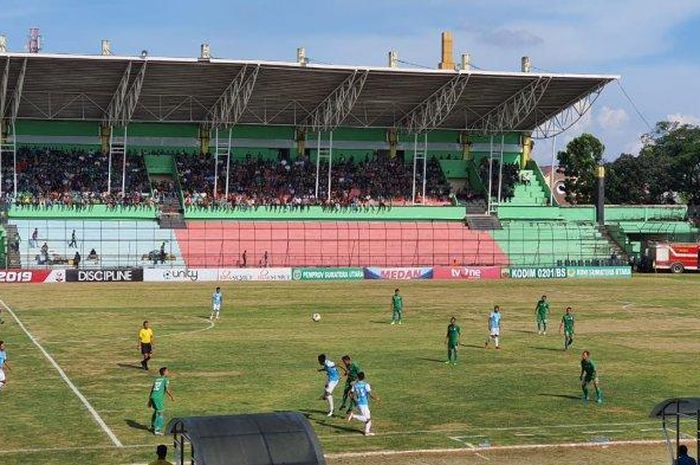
[219,92]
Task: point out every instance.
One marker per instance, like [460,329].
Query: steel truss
[336,107]
[225,113]
[325,153]
[229,108]
[568,115]
[512,112]
[118,115]
[8,135]
[420,154]
[430,113]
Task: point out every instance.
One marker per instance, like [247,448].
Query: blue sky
[653,44]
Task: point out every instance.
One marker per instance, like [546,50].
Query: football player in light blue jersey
[362,393]
[494,327]
[332,379]
[3,365]
[216,300]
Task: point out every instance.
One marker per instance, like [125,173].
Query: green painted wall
[317,213]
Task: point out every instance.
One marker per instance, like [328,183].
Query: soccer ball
[316,317]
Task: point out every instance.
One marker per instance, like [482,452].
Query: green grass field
[643,333]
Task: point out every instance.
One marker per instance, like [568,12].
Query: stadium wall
[179,275]
[250,139]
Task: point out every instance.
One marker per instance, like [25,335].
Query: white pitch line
[453,450]
[98,419]
[604,431]
[210,325]
[38,450]
[484,429]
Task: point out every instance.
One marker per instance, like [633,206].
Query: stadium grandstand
[205,162]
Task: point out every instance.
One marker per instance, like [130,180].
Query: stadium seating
[551,242]
[117,243]
[358,243]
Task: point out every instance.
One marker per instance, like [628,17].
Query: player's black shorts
[146,348]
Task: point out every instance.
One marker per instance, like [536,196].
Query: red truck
[677,257]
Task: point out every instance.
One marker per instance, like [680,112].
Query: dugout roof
[226,92]
[685,406]
[249,439]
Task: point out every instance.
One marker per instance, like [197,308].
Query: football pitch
[83,366]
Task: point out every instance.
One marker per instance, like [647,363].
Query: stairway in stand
[483,222]
[14,259]
[167,190]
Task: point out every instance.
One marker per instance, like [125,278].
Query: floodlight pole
[551,171]
[488,200]
[330,162]
[500,170]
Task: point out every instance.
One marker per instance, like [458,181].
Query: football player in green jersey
[542,312]
[589,374]
[350,370]
[396,308]
[452,340]
[156,400]
[567,324]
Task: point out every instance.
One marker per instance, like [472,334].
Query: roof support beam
[3,87]
[568,115]
[334,109]
[16,96]
[114,109]
[229,108]
[512,112]
[125,98]
[430,113]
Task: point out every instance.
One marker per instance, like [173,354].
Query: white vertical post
[425,161]
[228,159]
[488,200]
[216,161]
[500,170]
[330,161]
[415,160]
[124,166]
[14,158]
[318,162]
[551,171]
[109,161]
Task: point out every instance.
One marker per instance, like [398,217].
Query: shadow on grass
[560,396]
[380,322]
[549,349]
[436,360]
[136,425]
[128,365]
[473,346]
[524,331]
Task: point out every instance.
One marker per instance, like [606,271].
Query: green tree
[674,150]
[642,180]
[579,162]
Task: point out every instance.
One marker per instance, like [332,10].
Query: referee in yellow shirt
[146,341]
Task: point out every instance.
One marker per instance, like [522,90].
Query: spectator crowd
[78,179]
[378,181]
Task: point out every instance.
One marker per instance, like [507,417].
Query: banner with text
[327,274]
[255,274]
[24,276]
[181,275]
[467,272]
[537,272]
[597,272]
[104,276]
[398,273]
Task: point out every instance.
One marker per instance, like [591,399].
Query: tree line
[666,170]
